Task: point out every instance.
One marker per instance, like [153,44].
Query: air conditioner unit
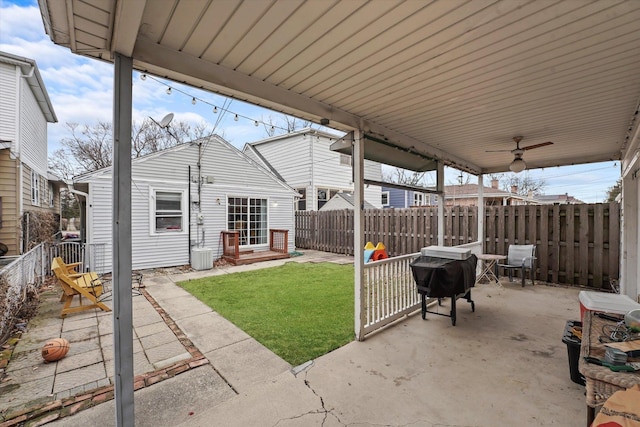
[202,258]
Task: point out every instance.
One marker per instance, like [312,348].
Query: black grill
[444,278]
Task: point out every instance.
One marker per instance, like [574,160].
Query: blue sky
[81,91]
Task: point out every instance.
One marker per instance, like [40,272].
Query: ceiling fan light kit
[518,165]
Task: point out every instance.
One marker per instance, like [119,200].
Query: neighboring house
[304,160]
[405,198]
[27,186]
[467,195]
[177,206]
[562,199]
[343,201]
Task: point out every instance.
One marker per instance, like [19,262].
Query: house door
[248,216]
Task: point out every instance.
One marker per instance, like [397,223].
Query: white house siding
[291,158]
[225,172]
[33,131]
[305,160]
[8,102]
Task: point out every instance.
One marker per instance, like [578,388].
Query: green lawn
[299,310]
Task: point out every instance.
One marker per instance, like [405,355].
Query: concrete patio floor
[505,364]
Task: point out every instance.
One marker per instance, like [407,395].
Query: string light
[215,109]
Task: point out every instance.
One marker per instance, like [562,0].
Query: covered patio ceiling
[447,79]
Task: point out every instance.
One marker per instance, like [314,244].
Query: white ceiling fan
[518,164]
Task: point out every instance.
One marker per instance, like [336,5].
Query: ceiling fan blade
[542,144]
[497,151]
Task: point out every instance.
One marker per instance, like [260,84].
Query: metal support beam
[441,201]
[481,212]
[122,304]
[358,232]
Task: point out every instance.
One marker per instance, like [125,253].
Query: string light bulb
[194,101]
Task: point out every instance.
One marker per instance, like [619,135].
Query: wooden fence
[576,244]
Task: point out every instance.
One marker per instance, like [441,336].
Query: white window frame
[51,194]
[184,213]
[35,188]
[382,197]
[419,199]
[303,192]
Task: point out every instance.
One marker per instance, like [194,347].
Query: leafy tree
[90,147]
[614,191]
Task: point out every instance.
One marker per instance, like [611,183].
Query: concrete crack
[326,412]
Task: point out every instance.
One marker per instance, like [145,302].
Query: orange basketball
[55,349]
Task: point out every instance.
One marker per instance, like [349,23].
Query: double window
[169,211]
[248,216]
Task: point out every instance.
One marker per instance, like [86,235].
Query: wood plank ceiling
[447,78]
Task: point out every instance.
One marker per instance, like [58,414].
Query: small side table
[489,267]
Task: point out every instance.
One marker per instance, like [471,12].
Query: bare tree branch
[90,147]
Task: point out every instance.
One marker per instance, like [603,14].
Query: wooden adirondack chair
[73,283]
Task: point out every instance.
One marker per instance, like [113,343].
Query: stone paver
[27,391]
[75,377]
[79,360]
[150,329]
[158,339]
[168,351]
[201,325]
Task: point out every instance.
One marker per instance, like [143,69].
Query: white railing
[17,280]
[70,252]
[389,292]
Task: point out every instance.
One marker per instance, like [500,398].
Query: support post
[440,188]
[481,212]
[121,257]
[358,232]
